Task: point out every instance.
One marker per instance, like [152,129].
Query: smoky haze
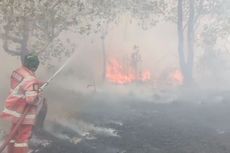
[158,49]
[138,78]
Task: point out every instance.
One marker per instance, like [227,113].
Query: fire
[178,77]
[117,73]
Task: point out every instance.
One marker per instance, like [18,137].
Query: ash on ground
[136,126]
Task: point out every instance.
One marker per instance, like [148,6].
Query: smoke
[79,87]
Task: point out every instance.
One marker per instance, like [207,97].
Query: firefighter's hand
[36,102]
[32,104]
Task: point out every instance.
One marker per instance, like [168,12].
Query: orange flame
[118,74]
[178,77]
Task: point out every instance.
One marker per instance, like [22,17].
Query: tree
[214,41]
[186,64]
[136,61]
[110,11]
[103,37]
[31,25]
[195,17]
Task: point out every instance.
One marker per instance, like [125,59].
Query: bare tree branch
[14,39]
[12,52]
[56,4]
[6,48]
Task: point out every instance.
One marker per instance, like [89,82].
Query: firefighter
[24,91]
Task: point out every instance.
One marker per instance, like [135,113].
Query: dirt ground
[144,127]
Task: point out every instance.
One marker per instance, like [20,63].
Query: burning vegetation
[177,77]
[120,73]
[108,97]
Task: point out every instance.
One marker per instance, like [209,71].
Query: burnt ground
[145,127]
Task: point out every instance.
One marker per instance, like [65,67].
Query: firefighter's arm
[32,93]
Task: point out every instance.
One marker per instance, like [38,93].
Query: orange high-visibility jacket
[24,91]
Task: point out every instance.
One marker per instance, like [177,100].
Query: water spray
[57,72]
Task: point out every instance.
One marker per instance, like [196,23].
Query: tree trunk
[186,62]
[103,37]
[104,59]
[190,58]
[25,38]
[180,31]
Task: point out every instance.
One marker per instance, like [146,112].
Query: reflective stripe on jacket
[24,91]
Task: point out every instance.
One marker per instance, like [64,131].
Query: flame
[178,77]
[117,73]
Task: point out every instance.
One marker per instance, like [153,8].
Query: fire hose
[28,107]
